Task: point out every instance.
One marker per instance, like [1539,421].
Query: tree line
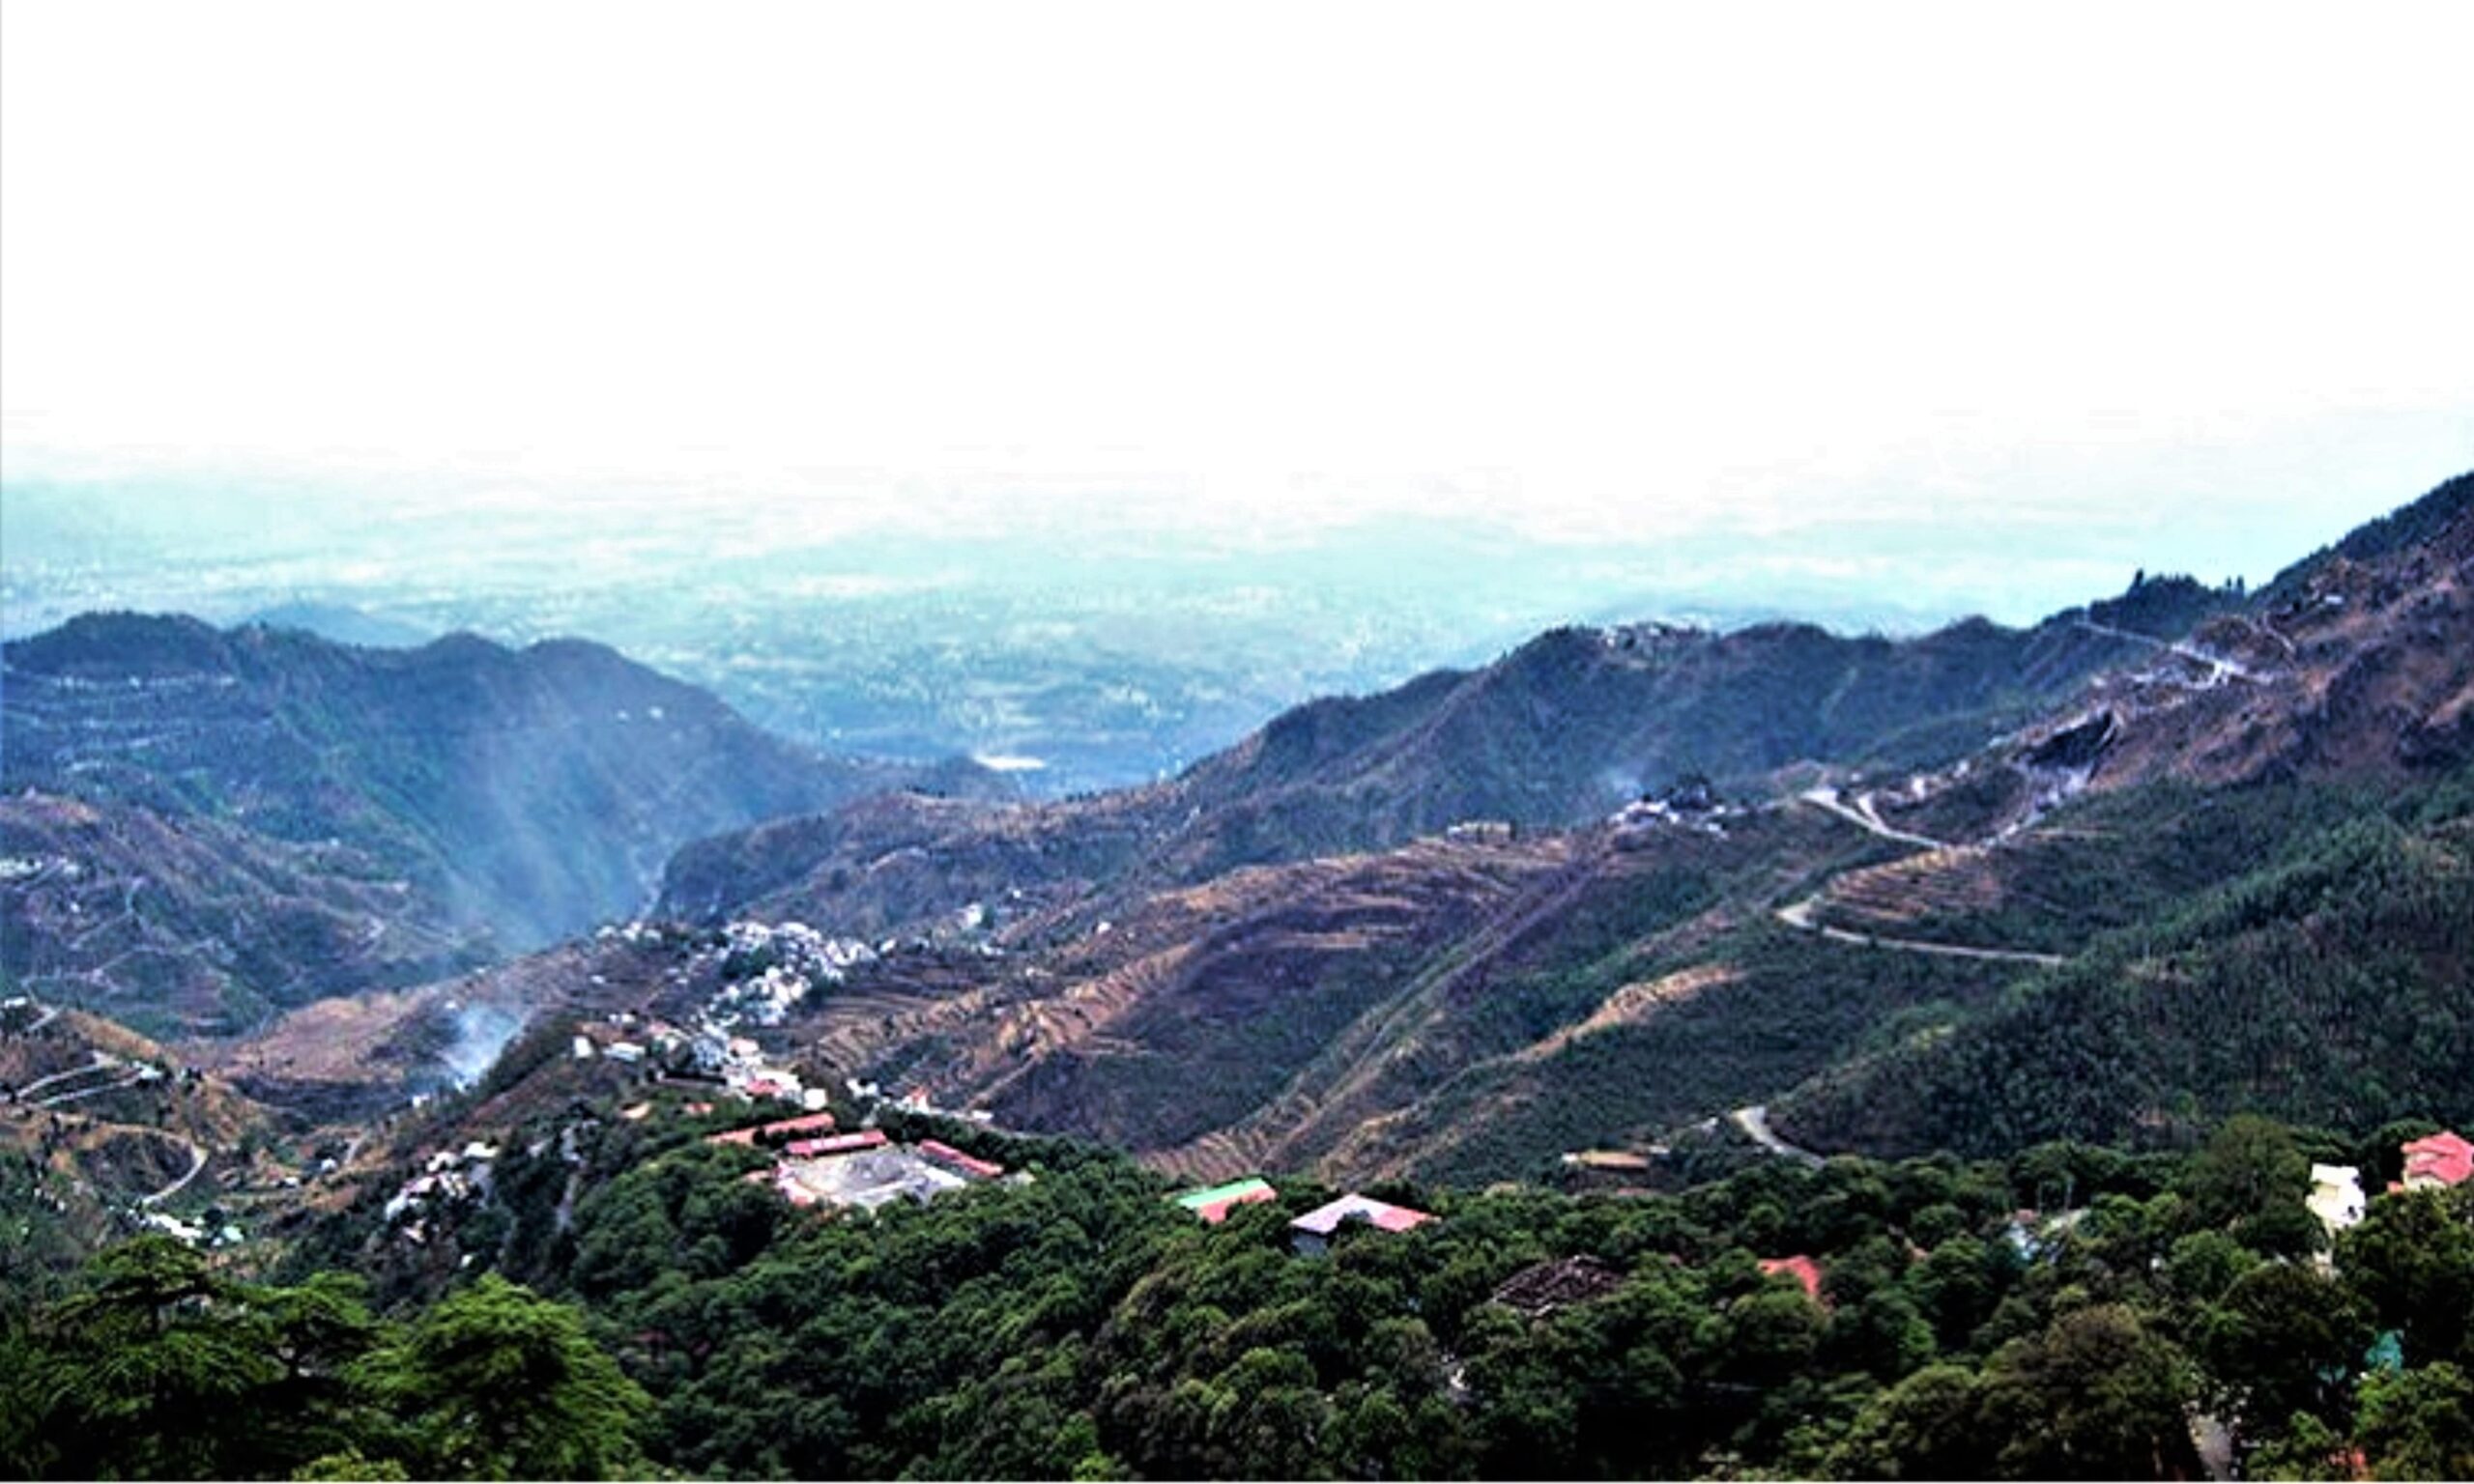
[2059,1314]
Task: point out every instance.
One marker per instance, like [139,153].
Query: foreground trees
[1082,1327]
[159,1368]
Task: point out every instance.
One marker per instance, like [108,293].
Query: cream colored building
[2336,1196]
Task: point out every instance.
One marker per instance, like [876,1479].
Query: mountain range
[207,825]
[1676,894]
[1622,882]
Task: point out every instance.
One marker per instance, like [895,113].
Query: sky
[2042,274]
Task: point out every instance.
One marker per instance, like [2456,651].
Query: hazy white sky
[1636,264]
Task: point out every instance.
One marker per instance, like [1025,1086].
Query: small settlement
[1309,1235]
[2436,1162]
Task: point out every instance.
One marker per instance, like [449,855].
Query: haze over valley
[1112,742]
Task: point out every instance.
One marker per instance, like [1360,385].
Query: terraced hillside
[1857,953]
[1371,1015]
[102,1130]
[176,925]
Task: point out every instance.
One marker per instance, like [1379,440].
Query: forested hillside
[2066,1313]
[1863,934]
[2332,981]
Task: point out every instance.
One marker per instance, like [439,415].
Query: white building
[2336,1196]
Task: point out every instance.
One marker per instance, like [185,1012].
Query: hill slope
[1472,1006]
[433,801]
[1559,734]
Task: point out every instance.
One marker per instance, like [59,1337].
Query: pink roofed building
[1213,1202]
[2443,1159]
[1803,1269]
[1312,1233]
[956,1160]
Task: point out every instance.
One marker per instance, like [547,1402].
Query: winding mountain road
[2220,669]
[1861,814]
[1754,1118]
[103,1061]
[1754,1121]
[197,1162]
[1798,915]
[58,1099]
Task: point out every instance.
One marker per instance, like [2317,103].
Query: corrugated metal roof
[946,1155]
[1325,1220]
[1252,1185]
[2444,1156]
[1803,1269]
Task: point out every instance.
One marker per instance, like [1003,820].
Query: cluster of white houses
[450,1176]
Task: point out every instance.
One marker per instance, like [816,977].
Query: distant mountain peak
[385,808]
[123,645]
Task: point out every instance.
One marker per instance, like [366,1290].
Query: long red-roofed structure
[813,1123]
[954,1159]
[839,1144]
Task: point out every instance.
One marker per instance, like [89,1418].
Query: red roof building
[1312,1232]
[2442,1160]
[955,1159]
[1214,1203]
[813,1122]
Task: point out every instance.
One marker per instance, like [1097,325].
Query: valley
[1624,914]
[808,742]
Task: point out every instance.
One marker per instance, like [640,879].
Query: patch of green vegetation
[1084,1325]
[2328,984]
[2118,860]
[1793,1006]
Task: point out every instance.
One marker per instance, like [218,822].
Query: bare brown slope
[2347,669]
[1275,1016]
[2359,671]
[102,1126]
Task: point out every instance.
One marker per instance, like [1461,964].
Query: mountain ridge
[1766,973]
[1566,728]
[502,798]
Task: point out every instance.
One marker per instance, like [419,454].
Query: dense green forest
[2326,983]
[2061,1314]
